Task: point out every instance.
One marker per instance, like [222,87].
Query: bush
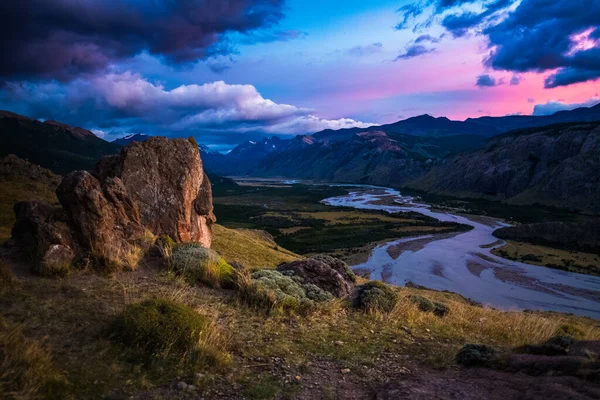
[426,305]
[570,330]
[562,341]
[26,369]
[163,329]
[476,355]
[198,264]
[272,290]
[375,296]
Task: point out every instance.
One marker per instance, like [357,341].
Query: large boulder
[325,272]
[166,180]
[103,218]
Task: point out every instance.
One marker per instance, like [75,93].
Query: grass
[250,248]
[573,261]
[26,367]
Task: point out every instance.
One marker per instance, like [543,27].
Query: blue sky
[227,72]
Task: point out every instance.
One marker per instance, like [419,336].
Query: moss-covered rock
[198,264]
[375,296]
[426,305]
[160,327]
[476,355]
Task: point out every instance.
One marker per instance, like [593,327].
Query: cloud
[127,102]
[365,51]
[548,35]
[429,38]
[515,80]
[555,106]
[486,81]
[414,51]
[62,39]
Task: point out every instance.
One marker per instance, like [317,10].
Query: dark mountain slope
[367,157]
[557,165]
[124,141]
[58,147]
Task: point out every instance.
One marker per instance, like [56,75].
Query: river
[464,263]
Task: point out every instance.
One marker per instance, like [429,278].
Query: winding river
[464,264]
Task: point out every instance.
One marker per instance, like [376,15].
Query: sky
[236,70]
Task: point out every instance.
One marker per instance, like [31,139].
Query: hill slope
[556,165]
[58,147]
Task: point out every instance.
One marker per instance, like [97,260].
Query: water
[444,264]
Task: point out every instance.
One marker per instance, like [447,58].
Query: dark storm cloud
[486,81]
[459,24]
[414,51]
[64,38]
[537,37]
[269,37]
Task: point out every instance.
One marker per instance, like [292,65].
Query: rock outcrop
[328,273]
[166,180]
[102,216]
[157,187]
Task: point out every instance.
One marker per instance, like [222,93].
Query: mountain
[556,165]
[58,147]
[428,126]
[390,154]
[124,141]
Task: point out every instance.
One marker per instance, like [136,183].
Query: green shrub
[163,329]
[476,355]
[426,305]
[198,264]
[271,290]
[375,296]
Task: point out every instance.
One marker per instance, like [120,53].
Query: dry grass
[249,248]
[26,368]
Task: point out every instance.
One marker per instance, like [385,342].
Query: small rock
[182,386]
[298,377]
[339,343]
[426,329]
[346,371]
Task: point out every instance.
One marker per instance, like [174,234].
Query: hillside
[58,147]
[555,165]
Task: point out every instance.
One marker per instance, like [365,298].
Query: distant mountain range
[52,145]
[477,157]
[390,154]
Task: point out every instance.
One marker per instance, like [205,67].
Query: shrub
[163,329]
[198,264]
[165,245]
[570,330]
[375,296]
[476,355]
[562,341]
[272,290]
[426,305]
[26,369]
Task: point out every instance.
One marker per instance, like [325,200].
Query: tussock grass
[26,368]
[197,264]
[166,330]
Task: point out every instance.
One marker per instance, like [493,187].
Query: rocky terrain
[107,216]
[555,165]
